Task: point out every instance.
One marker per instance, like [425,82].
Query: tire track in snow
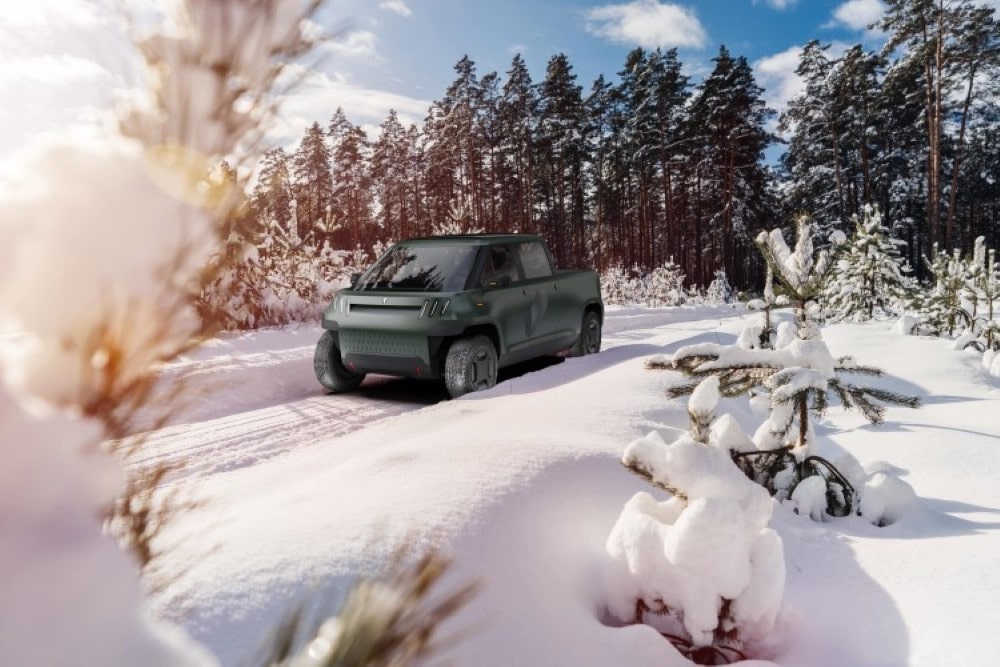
[243,439]
[246,407]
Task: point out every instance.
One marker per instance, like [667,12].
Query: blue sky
[409,47]
[66,61]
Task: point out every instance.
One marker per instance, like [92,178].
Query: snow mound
[885,499]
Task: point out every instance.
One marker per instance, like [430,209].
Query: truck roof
[475,239]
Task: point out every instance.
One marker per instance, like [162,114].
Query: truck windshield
[423,268]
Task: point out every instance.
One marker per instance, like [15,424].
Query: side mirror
[355,277]
[502,281]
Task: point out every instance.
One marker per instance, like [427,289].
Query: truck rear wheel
[589,341]
[471,365]
[330,370]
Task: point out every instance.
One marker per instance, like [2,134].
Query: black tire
[330,369]
[589,341]
[471,365]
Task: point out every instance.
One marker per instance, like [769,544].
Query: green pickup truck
[458,308]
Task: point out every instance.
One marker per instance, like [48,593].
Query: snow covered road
[253,396]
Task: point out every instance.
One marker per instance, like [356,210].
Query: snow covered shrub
[617,288]
[458,222]
[701,567]
[719,291]
[867,279]
[664,286]
[386,620]
[278,279]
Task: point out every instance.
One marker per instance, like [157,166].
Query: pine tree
[272,195]
[812,161]
[868,275]
[561,153]
[313,186]
[665,286]
[729,115]
[351,194]
[941,307]
[799,375]
[390,179]
[517,111]
[950,41]
[719,291]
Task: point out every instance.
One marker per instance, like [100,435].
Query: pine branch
[635,466]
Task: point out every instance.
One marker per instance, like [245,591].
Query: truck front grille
[381,342]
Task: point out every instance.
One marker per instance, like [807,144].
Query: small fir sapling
[868,275]
[719,290]
[702,567]
[983,290]
[799,374]
[941,308]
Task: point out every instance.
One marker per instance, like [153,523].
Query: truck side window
[534,260]
[499,263]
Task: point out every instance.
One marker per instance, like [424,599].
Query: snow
[61,579]
[522,485]
[705,396]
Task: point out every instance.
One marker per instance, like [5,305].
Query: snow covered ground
[521,484]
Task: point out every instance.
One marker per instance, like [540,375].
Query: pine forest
[650,168]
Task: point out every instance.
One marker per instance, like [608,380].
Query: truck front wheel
[471,365]
[589,341]
[330,370]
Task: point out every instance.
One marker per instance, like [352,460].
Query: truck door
[503,293]
[553,313]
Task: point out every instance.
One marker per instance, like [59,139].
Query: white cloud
[318,95]
[60,70]
[777,4]
[858,14]
[352,44]
[776,75]
[647,23]
[397,6]
[40,13]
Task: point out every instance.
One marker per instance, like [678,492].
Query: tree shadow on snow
[566,370]
[836,613]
